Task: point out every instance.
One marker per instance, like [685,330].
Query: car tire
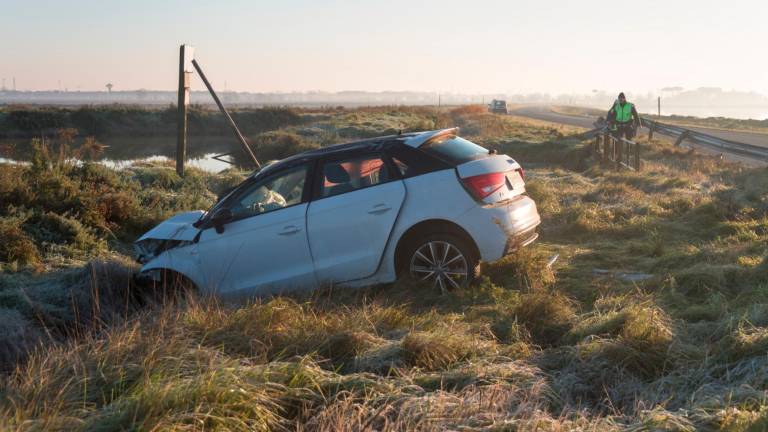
[445,259]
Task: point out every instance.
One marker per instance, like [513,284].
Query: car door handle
[290,229]
[379,209]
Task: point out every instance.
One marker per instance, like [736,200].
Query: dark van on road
[498,106]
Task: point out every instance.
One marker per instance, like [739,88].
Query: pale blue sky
[461,46]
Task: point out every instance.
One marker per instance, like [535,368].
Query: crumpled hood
[172,233]
[178,227]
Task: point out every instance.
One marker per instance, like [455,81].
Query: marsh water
[121,152]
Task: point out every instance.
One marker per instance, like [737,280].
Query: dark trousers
[626,130]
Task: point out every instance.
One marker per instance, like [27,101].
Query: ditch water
[122,152]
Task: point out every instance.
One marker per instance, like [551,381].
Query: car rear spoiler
[419,140]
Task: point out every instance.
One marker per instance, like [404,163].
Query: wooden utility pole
[659,104]
[185,56]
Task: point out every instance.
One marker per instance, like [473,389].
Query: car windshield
[236,190]
[454,150]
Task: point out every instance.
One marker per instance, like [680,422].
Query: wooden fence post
[637,157]
[185,53]
[619,152]
[681,138]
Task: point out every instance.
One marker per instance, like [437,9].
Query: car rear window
[454,150]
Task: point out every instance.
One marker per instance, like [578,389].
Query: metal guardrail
[620,152]
[724,145]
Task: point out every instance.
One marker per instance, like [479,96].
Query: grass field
[654,317]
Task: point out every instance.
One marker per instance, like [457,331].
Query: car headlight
[148,249]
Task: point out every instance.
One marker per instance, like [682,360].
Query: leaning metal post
[223,110]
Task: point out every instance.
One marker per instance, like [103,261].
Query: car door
[356,203]
[264,248]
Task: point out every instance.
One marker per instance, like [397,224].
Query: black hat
[621,95]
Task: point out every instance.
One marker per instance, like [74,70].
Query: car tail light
[481,186]
[522,173]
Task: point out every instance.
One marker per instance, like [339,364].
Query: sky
[508,46]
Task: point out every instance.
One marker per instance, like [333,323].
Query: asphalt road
[546,114]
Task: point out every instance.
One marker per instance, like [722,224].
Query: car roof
[413,139]
[419,139]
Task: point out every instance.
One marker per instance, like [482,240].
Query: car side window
[279,191]
[412,162]
[347,175]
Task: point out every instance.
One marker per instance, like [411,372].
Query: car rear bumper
[501,228]
[521,240]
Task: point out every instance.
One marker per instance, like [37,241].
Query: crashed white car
[427,205]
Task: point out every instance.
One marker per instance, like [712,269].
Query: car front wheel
[443,260]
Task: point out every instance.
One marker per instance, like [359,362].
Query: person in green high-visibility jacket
[622,118]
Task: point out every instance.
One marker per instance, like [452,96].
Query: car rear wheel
[443,260]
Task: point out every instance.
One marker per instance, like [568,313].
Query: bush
[276,145]
[16,246]
[118,208]
[157,177]
[96,175]
[225,181]
[52,228]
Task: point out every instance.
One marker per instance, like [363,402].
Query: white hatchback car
[428,205]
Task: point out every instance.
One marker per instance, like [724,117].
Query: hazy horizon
[302,46]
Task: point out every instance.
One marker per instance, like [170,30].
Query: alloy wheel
[440,263]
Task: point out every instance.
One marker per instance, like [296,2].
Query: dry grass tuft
[547,315]
[439,349]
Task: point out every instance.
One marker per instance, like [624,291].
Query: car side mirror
[220,218]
